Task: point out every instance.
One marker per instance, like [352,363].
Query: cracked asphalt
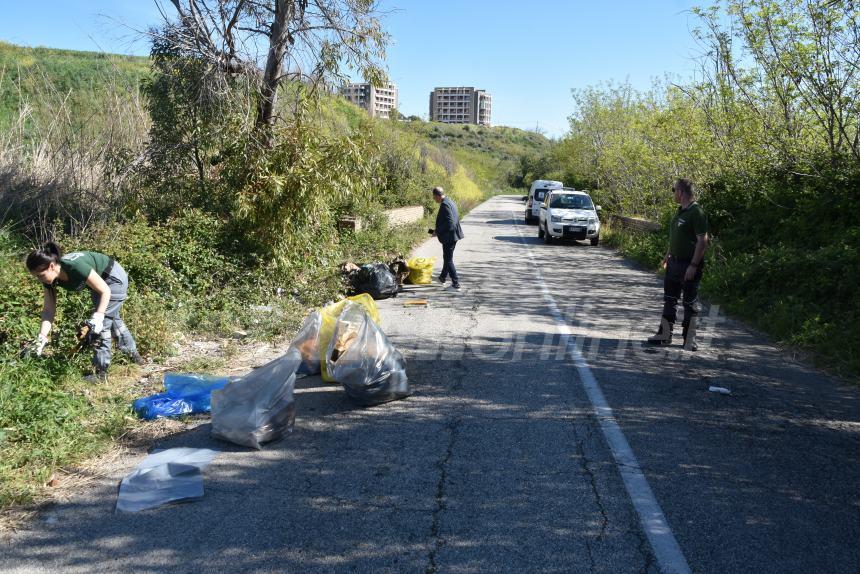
[497,462]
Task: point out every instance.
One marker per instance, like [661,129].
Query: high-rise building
[377,101]
[461,105]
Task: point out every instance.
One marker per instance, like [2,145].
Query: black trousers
[448,263]
[674,285]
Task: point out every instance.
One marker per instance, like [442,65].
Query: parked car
[537,193]
[569,214]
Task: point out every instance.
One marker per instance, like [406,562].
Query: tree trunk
[278,42]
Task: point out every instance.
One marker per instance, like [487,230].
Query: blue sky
[529,60]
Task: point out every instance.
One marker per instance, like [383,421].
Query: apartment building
[377,101]
[461,105]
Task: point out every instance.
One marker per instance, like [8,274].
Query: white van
[537,193]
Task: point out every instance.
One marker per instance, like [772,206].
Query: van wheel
[595,241]
[540,232]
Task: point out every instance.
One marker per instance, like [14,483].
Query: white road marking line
[651,517]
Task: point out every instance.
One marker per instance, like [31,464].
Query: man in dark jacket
[448,231]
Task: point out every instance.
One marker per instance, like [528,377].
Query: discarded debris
[416,303]
[259,407]
[375,279]
[720,390]
[307,343]
[330,316]
[421,270]
[164,476]
[363,360]
[184,394]
[400,269]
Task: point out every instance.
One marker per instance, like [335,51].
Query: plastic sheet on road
[166,476]
[183,394]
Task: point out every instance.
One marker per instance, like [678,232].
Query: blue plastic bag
[184,394]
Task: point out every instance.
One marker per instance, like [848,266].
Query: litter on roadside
[720,390]
[421,270]
[362,359]
[330,314]
[166,476]
[183,394]
[375,279]
[307,343]
[259,407]
[415,303]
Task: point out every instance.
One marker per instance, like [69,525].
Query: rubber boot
[689,332]
[663,336]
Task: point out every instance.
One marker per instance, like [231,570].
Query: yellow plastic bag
[329,320]
[421,270]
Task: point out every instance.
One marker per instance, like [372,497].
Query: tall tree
[273,41]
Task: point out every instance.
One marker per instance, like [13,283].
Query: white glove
[97,322]
[39,344]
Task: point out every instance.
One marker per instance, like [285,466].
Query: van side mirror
[525,198]
[597,208]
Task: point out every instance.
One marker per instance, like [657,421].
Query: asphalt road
[505,459]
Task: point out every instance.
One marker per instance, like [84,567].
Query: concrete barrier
[404,215]
[635,224]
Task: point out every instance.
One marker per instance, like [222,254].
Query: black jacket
[448,228]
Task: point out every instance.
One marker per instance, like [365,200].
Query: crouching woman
[107,282]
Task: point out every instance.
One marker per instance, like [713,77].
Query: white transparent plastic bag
[307,343]
[362,359]
[259,407]
[164,476]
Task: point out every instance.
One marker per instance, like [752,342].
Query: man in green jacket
[684,263]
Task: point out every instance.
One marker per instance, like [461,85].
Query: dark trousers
[674,285]
[448,263]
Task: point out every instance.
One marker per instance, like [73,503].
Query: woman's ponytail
[49,253]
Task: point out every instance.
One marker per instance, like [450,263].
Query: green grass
[43,77]
[50,418]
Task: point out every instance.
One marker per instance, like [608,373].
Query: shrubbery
[776,163]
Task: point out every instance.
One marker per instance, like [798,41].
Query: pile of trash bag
[183,394]
[259,407]
[342,341]
[375,279]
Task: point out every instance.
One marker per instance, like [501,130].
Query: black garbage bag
[375,279]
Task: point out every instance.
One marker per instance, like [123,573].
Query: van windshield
[570,201]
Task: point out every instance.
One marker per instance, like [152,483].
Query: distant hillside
[491,153]
[95,88]
[43,78]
